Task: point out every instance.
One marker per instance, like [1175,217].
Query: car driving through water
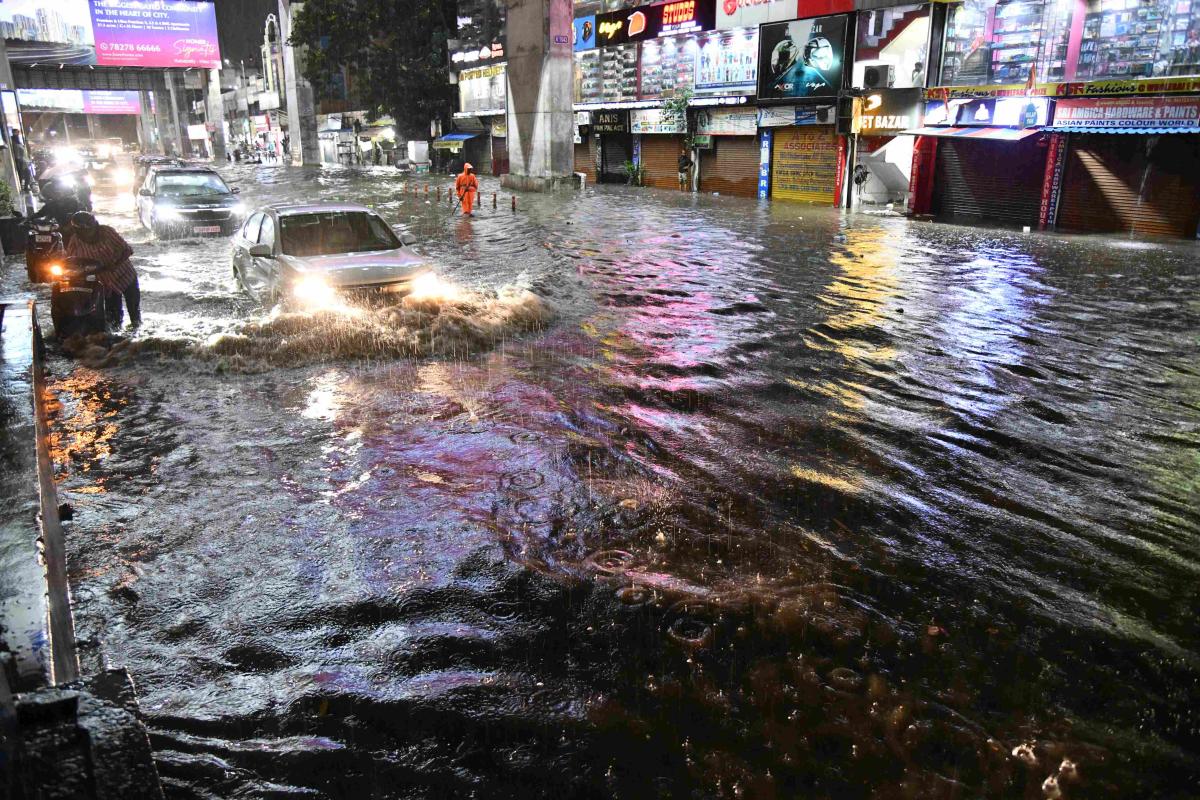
[188,201]
[310,255]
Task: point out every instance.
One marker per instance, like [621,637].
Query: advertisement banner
[81,101]
[655,120]
[1052,182]
[802,58]
[727,121]
[727,64]
[783,116]
[134,33]
[584,33]
[1129,112]
[752,13]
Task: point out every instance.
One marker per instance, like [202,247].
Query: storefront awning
[995,134]
[1107,129]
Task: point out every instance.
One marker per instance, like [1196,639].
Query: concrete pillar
[216,113]
[301,106]
[540,94]
[177,132]
[8,167]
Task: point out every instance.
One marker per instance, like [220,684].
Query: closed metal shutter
[804,162]
[731,167]
[992,181]
[499,156]
[585,162]
[615,150]
[660,157]
[1130,183]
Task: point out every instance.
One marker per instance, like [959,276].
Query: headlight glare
[312,289]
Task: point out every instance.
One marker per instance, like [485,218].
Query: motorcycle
[45,245]
[76,299]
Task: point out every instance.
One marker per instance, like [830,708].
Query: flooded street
[660,496]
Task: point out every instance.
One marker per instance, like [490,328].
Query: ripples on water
[782,503]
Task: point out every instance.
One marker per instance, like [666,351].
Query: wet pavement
[665,496]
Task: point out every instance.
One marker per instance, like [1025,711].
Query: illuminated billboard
[801,58]
[80,101]
[134,33]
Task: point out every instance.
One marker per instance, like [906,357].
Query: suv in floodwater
[188,201]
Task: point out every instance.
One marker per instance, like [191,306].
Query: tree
[395,48]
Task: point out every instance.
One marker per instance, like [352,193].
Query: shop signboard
[1128,112]
[752,13]
[764,163]
[473,56]
[81,101]
[890,111]
[655,120]
[197,132]
[584,33]
[483,88]
[651,21]
[610,122]
[122,33]
[500,127]
[1004,112]
[801,58]
[784,116]
[727,121]
[1052,182]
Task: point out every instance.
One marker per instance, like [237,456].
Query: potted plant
[635,174]
[12,230]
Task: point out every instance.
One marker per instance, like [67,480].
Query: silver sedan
[311,256]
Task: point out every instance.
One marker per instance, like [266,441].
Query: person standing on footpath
[685,169]
[467,186]
[103,246]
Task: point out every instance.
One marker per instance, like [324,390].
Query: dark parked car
[188,201]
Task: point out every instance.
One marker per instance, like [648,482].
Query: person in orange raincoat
[467,186]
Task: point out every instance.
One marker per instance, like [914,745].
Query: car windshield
[330,233]
[191,185]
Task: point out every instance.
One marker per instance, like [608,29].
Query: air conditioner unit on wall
[879,76]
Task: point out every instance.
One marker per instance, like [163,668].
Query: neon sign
[649,22]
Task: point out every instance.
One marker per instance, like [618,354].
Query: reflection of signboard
[1129,112]
[655,120]
[134,33]
[585,32]
[889,111]
[649,22]
[802,58]
[610,122]
[727,121]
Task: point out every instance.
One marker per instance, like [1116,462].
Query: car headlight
[103,151]
[312,289]
[123,176]
[167,212]
[238,209]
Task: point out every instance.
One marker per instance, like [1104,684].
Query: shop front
[807,155]
[499,133]
[989,159]
[882,156]
[1128,165]
[614,144]
[730,164]
[586,150]
[661,143]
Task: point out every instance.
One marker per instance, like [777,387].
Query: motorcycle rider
[62,200]
[103,246]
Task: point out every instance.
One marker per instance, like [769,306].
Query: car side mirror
[145,192]
[407,239]
[236,190]
[260,250]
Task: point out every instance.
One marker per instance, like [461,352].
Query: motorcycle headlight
[56,270]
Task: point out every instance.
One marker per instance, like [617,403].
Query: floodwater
[667,496]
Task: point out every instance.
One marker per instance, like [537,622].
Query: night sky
[240,26]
